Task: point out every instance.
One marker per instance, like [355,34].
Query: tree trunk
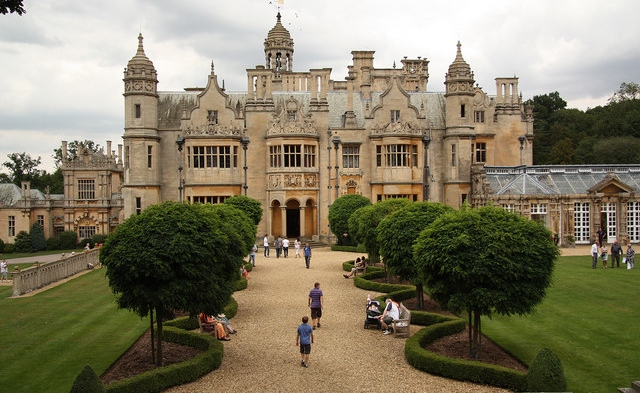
[153,344]
[420,296]
[159,361]
[470,324]
[475,350]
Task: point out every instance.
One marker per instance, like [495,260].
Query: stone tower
[459,132]
[141,139]
[278,49]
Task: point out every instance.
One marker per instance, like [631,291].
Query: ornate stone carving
[410,128]
[291,120]
[292,180]
[311,180]
[214,129]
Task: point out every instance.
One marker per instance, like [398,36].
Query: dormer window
[212,117]
[395,116]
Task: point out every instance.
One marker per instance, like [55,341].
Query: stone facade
[91,204]
[298,140]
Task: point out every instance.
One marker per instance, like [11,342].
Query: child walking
[304,338]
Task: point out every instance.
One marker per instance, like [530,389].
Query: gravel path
[345,357]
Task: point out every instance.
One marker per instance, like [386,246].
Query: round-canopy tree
[176,256]
[484,261]
[363,223]
[396,234]
[339,213]
[251,207]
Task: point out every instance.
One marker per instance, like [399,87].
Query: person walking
[296,245]
[316,304]
[285,247]
[307,254]
[304,338]
[4,269]
[616,252]
[265,242]
[631,256]
[278,244]
[594,255]
[252,254]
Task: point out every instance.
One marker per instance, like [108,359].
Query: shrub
[53,243]
[98,238]
[38,242]
[23,242]
[1,246]
[68,240]
[9,248]
[87,382]
[546,373]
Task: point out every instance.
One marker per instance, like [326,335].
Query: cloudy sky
[61,64]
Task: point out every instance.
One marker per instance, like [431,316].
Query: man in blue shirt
[304,338]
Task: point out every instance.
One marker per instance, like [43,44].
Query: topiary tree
[396,234]
[87,382]
[339,213]
[68,240]
[363,224]
[546,373]
[177,256]
[38,242]
[23,242]
[251,207]
[484,261]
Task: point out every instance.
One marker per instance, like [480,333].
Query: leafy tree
[627,91]
[51,180]
[396,234]
[562,153]
[251,207]
[22,167]
[363,223]
[339,213]
[68,240]
[23,242]
[484,261]
[72,150]
[543,107]
[38,241]
[11,6]
[176,256]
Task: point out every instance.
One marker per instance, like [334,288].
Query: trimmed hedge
[460,369]
[176,374]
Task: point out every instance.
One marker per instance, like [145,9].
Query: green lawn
[48,338]
[590,319]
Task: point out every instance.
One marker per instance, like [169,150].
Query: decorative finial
[394,64]
[212,73]
[140,47]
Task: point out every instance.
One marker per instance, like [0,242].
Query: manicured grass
[14,255]
[48,338]
[590,319]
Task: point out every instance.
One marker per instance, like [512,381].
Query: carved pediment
[291,120]
[398,128]
[212,129]
[610,185]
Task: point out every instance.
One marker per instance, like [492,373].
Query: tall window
[149,155]
[633,221]
[212,117]
[214,156]
[481,152]
[138,111]
[208,199]
[581,219]
[292,156]
[454,158]
[40,220]
[395,116]
[350,156]
[12,226]
[309,156]
[479,116]
[86,232]
[463,110]
[397,155]
[539,212]
[86,189]
[275,156]
[138,205]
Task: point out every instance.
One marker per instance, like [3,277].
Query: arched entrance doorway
[293,218]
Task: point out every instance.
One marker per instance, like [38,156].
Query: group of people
[219,324]
[282,248]
[599,249]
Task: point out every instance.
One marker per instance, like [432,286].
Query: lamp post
[426,140]
[180,144]
[336,144]
[521,140]
[245,143]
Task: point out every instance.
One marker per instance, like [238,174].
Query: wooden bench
[401,325]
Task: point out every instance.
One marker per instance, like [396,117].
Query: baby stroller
[373,312]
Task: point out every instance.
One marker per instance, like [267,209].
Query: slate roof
[10,194]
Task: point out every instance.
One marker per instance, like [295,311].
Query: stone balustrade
[40,275]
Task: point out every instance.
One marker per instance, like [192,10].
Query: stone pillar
[303,221]
[283,221]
